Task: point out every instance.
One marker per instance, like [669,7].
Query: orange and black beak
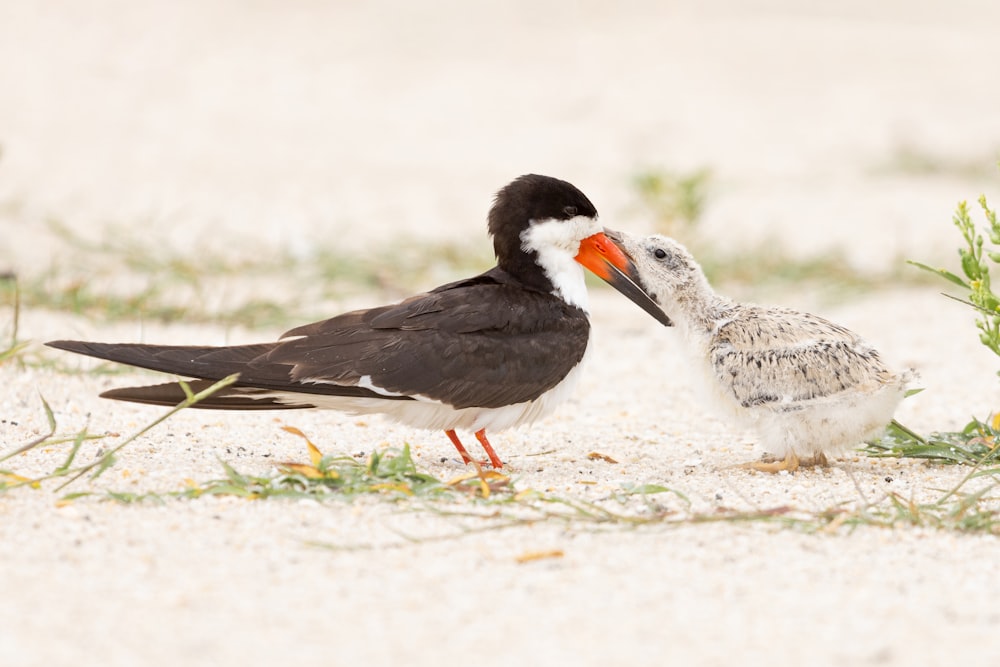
[607,261]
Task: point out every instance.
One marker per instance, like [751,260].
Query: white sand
[247,124]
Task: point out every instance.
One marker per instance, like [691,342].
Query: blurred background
[298,129]
[194,171]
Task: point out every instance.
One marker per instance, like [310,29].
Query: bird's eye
[659,253]
[570,211]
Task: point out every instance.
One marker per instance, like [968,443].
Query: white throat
[556,243]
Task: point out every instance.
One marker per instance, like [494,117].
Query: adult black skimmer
[497,350]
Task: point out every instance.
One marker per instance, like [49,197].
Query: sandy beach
[243,129]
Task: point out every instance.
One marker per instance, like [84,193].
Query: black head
[526,199]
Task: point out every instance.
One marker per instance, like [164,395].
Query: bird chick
[807,386]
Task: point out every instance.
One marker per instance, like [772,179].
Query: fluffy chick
[808,387]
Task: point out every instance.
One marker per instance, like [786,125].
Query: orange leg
[494,459]
[481,437]
[458,445]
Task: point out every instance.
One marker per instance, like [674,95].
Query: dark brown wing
[482,342]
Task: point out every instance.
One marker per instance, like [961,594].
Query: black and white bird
[494,351]
[809,387]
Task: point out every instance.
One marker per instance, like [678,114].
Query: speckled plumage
[809,387]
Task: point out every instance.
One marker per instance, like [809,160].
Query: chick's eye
[659,253]
[570,211]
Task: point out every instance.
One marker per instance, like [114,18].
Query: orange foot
[791,463]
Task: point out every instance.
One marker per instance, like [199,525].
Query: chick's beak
[607,261]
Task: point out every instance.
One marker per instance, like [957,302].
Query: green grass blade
[37,441]
[102,464]
[944,273]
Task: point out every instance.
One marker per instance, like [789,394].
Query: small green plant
[384,473]
[977,271]
[676,200]
[977,442]
[974,445]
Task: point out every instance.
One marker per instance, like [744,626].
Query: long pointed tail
[195,361]
[207,364]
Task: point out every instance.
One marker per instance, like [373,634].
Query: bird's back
[780,358]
